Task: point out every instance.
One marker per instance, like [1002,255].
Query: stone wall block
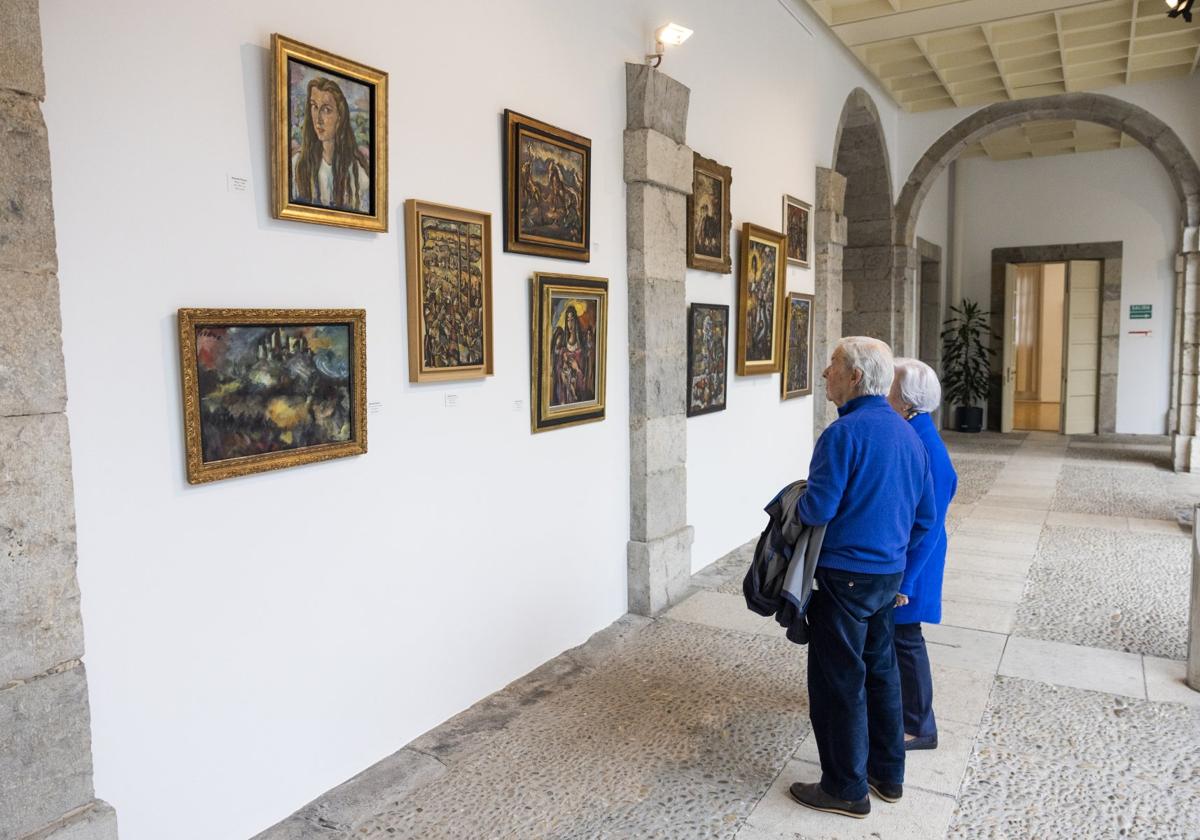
[868,206]
[46,762]
[21,48]
[1191,240]
[26,216]
[96,823]
[657,313]
[652,157]
[32,379]
[658,444]
[39,598]
[1110,318]
[831,190]
[659,503]
[870,232]
[1106,413]
[658,383]
[656,101]
[1109,355]
[657,235]
[659,571]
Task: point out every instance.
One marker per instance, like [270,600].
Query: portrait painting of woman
[329,149]
[570,323]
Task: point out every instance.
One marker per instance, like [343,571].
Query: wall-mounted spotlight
[1180,8]
[672,35]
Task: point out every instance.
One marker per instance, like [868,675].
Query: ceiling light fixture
[672,34]
[1179,8]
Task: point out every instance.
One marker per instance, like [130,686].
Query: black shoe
[810,795]
[921,742]
[884,790]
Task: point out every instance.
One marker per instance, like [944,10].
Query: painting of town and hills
[453,291]
[551,191]
[273,388]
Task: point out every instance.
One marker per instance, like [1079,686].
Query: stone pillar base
[1185,451]
[660,571]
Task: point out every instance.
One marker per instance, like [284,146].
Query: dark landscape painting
[709,203]
[797,365]
[760,311]
[266,389]
[708,346]
[453,292]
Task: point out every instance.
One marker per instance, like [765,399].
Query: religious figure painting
[798,348]
[708,350]
[547,189]
[760,300]
[449,259]
[329,144]
[570,338]
[708,216]
[270,388]
[795,225]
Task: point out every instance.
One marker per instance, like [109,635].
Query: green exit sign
[1141,311]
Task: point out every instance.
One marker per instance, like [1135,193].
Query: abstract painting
[795,225]
[708,216]
[449,258]
[708,350]
[270,388]
[760,300]
[798,348]
[547,189]
[329,146]
[569,363]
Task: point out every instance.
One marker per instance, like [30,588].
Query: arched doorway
[1165,144]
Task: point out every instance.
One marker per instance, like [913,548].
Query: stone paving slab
[1087,668]
[1166,682]
[965,648]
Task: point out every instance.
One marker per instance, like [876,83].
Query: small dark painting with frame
[708,354]
[547,190]
[798,348]
[708,216]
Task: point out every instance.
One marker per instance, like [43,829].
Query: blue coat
[927,561]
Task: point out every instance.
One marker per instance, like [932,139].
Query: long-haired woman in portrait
[329,170]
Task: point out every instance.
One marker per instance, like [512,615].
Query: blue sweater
[927,562]
[869,480]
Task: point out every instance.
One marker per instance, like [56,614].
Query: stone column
[1110,346]
[1193,658]
[906,280]
[1187,453]
[45,730]
[829,242]
[658,177]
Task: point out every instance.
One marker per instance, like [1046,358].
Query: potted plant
[966,363]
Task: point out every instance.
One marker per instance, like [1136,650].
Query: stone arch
[1164,144]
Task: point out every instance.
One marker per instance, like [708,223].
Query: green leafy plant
[966,355]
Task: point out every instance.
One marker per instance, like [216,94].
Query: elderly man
[869,483]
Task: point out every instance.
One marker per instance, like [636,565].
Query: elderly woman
[914,394]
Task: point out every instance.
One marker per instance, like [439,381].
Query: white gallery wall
[253,642]
[1122,195]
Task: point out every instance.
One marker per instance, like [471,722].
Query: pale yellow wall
[1054,281]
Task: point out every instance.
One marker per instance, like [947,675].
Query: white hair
[919,386]
[874,358]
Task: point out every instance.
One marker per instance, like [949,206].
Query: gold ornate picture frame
[761,282]
[547,190]
[797,377]
[328,138]
[448,253]
[266,389]
[709,218]
[797,226]
[568,359]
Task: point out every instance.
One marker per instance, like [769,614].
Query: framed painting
[547,190]
[798,348]
[708,216]
[795,225]
[265,389]
[448,253]
[760,300]
[328,138]
[570,342]
[708,351]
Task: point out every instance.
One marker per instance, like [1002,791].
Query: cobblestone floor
[1058,688]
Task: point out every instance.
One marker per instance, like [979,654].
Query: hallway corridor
[1058,689]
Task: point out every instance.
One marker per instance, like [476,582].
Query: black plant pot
[968,418]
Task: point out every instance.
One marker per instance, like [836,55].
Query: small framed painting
[708,352]
[570,340]
[798,348]
[708,216]
[547,190]
[448,252]
[265,389]
[328,138]
[795,225]
[760,300]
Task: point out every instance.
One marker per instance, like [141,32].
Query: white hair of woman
[918,384]
[874,358]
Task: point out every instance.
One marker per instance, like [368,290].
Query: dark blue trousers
[916,680]
[853,681]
